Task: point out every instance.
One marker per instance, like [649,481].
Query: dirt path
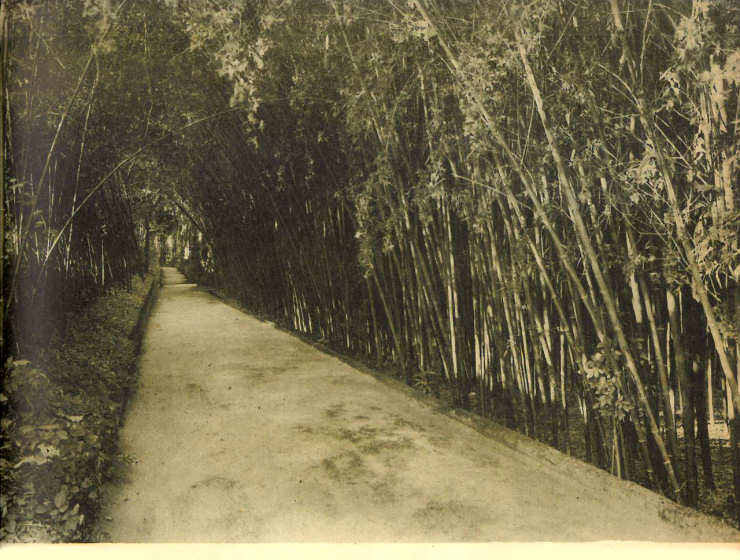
[242,433]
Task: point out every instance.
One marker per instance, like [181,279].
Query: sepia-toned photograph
[370,271]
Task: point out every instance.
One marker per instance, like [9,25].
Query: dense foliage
[72,253]
[535,201]
[60,422]
[79,211]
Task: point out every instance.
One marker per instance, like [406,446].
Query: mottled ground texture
[240,432]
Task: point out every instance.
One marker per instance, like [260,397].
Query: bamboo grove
[529,208]
[67,239]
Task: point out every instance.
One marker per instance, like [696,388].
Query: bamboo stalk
[606,294]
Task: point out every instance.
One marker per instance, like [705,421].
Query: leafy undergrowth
[60,420]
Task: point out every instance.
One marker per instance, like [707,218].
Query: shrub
[61,418]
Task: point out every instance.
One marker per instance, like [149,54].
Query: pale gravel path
[242,433]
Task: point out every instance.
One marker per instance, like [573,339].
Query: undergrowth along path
[240,432]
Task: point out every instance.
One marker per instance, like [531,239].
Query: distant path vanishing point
[240,432]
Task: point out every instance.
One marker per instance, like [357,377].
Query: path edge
[137,334]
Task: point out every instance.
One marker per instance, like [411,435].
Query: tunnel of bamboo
[526,209]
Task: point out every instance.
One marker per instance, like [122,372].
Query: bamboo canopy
[528,209]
